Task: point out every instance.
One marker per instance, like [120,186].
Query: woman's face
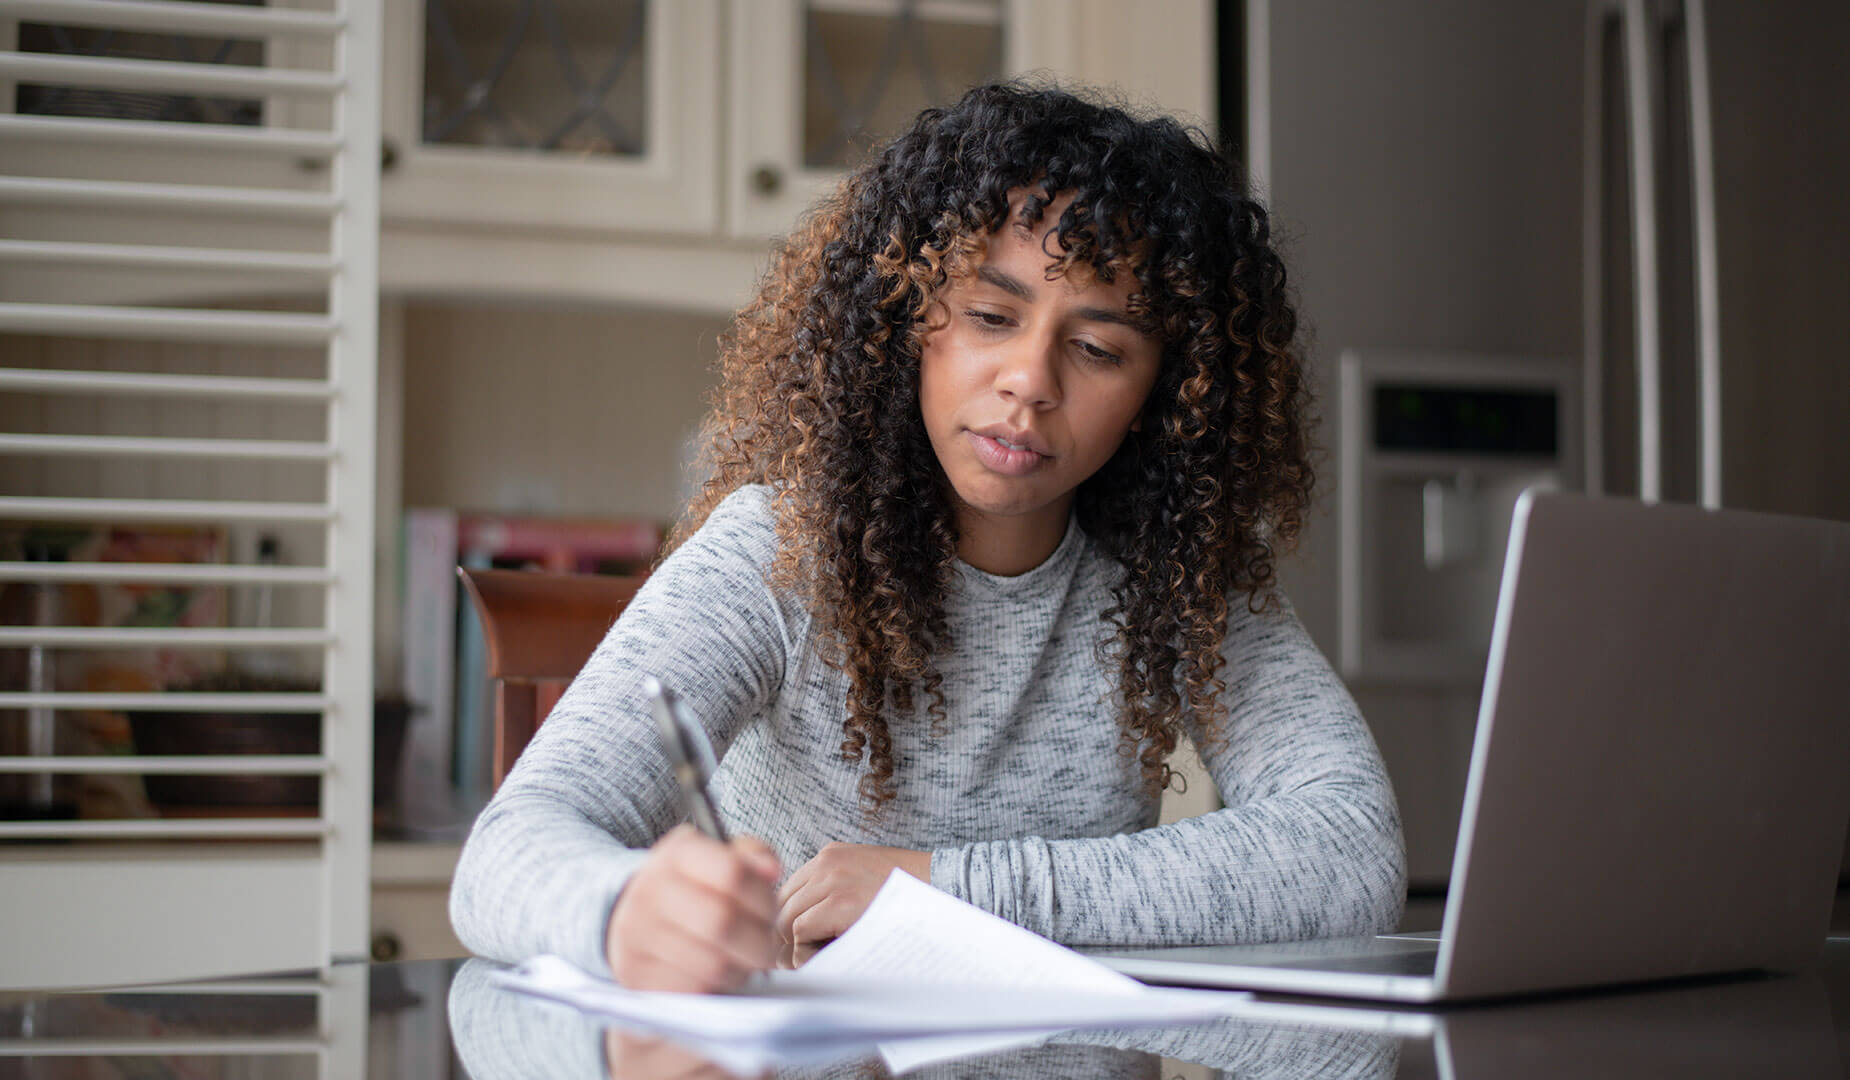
[1031,385]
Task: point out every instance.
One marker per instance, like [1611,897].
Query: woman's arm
[544,864]
[1309,844]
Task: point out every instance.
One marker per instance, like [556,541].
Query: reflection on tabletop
[391,1021]
[1760,1026]
[1774,1025]
[501,1035]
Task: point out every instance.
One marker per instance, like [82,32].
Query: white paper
[922,974]
[915,932]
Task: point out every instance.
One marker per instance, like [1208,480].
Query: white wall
[552,410]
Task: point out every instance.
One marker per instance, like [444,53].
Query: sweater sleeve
[546,859]
[1309,844]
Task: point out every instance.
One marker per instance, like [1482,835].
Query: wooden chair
[541,628]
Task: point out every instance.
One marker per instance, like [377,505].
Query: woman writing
[1002,456]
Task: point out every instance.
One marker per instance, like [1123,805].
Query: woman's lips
[1002,459]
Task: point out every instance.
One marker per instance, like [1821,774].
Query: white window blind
[188,323]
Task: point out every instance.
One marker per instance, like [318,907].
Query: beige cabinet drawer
[410,902]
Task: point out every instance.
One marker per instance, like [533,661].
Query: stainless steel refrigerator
[1717,285]
[1717,187]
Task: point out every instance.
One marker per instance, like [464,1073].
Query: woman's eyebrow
[1008,283]
[1015,287]
[1112,315]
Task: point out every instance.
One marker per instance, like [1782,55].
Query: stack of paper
[924,976]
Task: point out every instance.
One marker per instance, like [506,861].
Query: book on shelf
[475,698]
[561,545]
[449,757]
[426,790]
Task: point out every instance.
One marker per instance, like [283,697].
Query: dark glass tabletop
[445,1020]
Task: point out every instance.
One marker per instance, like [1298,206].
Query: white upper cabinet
[643,151]
[553,114]
[816,84]
[673,117]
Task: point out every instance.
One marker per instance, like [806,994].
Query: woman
[1002,456]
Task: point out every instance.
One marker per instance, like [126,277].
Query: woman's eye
[1093,352]
[989,320]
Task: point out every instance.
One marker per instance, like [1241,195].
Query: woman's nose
[1029,371]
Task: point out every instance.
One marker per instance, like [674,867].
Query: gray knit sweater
[1028,805]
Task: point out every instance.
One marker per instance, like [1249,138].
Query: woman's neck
[1007,545]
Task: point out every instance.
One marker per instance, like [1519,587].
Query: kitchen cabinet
[581,115]
[816,83]
[593,115]
[411,901]
[724,124]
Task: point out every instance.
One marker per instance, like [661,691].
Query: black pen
[690,756]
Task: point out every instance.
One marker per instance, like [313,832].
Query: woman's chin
[1005,498]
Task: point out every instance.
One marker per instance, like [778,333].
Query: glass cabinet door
[576,114]
[817,84]
[544,77]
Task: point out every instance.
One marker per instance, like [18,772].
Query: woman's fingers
[726,870]
[675,960]
[824,920]
[829,892]
[793,905]
[759,856]
[741,931]
[796,881]
[696,916]
[794,954]
[706,952]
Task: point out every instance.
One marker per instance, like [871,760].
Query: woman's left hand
[829,892]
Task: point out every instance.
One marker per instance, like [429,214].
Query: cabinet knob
[767,180]
[386,947]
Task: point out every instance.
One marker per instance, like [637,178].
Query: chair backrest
[540,629]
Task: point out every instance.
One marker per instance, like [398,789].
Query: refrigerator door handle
[1708,286]
[1642,65]
[1602,17]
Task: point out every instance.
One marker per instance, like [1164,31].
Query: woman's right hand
[697,916]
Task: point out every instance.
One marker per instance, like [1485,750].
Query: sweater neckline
[1041,579]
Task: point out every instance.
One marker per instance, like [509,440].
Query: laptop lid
[1658,785]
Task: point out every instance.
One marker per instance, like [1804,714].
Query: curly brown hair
[819,399]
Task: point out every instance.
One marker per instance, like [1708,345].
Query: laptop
[1661,776]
